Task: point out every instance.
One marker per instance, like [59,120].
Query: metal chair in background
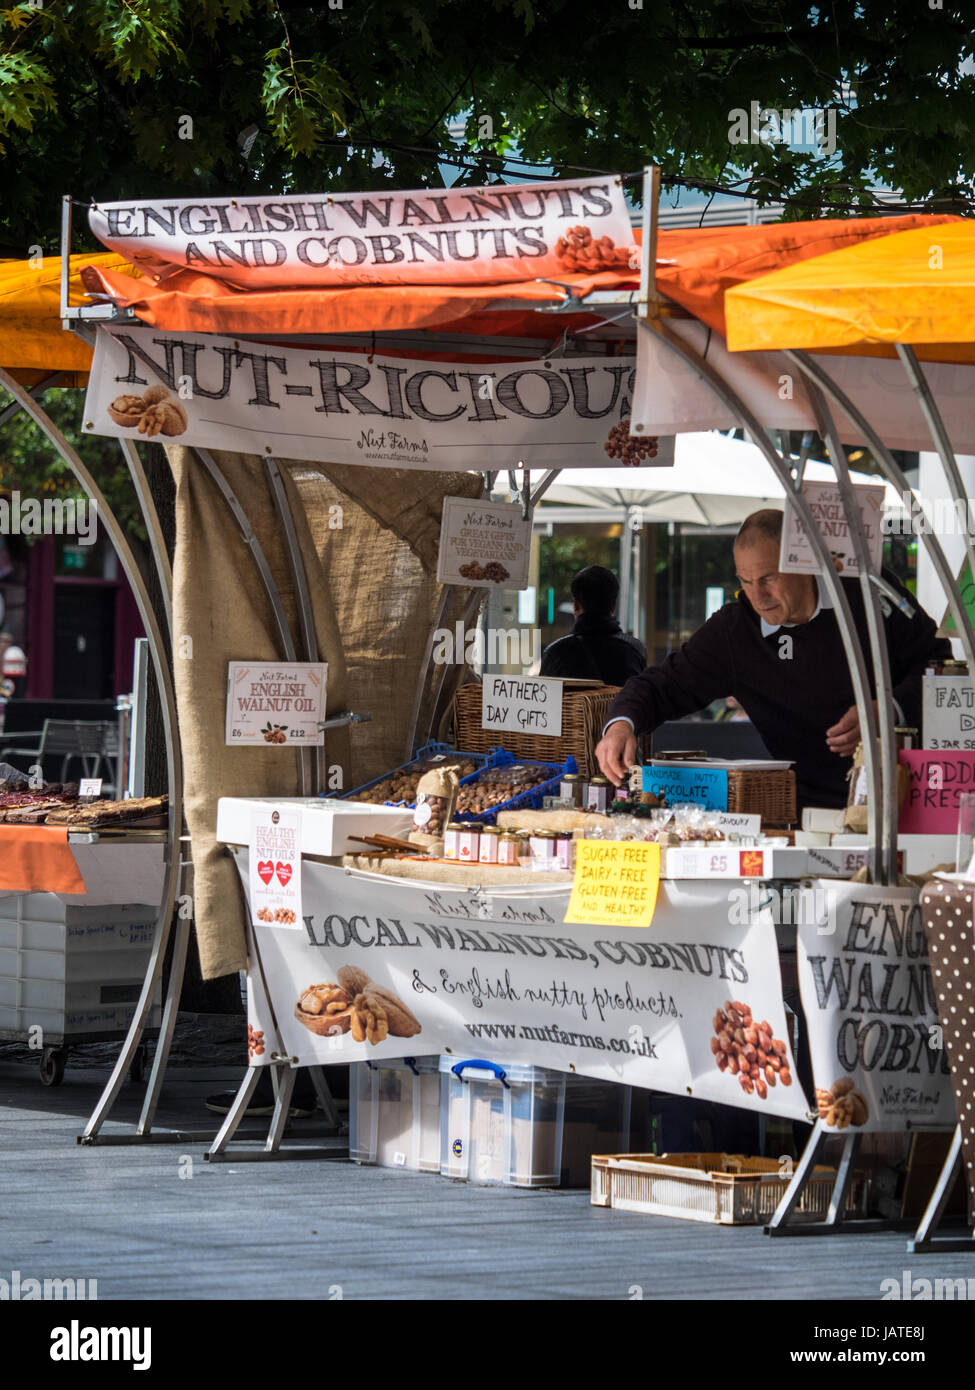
[93,741]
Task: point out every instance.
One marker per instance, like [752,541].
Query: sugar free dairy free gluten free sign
[393,412]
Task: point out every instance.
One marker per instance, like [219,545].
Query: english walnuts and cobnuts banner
[395,412]
[395,968]
[443,236]
[878,1054]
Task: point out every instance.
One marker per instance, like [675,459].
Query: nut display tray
[325,823]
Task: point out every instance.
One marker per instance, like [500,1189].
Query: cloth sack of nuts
[436,793]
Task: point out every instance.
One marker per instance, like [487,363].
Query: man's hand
[843,737]
[616,751]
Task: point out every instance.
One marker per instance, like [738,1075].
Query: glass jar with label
[600,790]
[469,843]
[571,787]
[508,848]
[450,839]
[490,835]
[565,848]
[543,847]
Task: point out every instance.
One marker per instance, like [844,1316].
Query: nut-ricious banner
[393,968]
[444,236]
[395,412]
[878,1053]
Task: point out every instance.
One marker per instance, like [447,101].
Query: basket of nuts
[508,785]
[583,716]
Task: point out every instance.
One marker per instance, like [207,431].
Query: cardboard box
[326,823]
[823,818]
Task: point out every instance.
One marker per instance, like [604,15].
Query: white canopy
[715,481]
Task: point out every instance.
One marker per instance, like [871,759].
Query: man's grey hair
[765,525]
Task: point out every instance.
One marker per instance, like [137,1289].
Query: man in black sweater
[597,648]
[779,652]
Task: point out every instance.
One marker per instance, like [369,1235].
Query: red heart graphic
[284,872]
[265,870]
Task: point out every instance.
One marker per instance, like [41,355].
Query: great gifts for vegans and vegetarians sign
[868,996]
[275,702]
[443,236]
[313,403]
[392,968]
[484,544]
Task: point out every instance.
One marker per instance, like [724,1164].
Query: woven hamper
[771,794]
[583,716]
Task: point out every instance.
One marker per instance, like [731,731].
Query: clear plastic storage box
[394,1113]
[525,1126]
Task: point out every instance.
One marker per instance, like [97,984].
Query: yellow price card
[615,883]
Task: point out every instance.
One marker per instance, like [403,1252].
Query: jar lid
[563,834]
[455,825]
[511,836]
[544,834]
[598,781]
[490,830]
[572,777]
[471,826]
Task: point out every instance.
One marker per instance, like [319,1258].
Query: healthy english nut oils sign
[868,996]
[484,235]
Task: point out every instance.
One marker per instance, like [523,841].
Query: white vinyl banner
[878,1056]
[446,236]
[672,398]
[312,403]
[393,968]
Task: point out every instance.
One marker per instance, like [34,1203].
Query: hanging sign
[392,412]
[493,972]
[275,702]
[522,704]
[826,504]
[484,545]
[615,883]
[275,868]
[948,718]
[443,236]
[878,1055]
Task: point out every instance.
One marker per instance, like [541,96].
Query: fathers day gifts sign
[522,704]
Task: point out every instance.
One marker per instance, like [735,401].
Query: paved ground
[156,1221]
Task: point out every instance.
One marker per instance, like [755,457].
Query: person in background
[778,650]
[597,648]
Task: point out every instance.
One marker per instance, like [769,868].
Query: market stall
[523,399]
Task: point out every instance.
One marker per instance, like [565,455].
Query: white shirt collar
[824,601]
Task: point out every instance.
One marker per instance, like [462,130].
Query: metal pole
[829,577]
[932,415]
[893,473]
[164,677]
[884,786]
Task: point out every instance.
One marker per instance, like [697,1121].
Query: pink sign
[937,780]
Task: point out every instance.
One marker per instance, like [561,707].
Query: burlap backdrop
[369,542]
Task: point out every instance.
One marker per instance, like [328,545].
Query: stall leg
[285,1079]
[325,1097]
[924,1238]
[235,1114]
[165,1040]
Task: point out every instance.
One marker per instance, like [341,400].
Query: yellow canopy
[32,342]
[915,287]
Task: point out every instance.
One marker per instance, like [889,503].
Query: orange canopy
[913,287]
[32,341]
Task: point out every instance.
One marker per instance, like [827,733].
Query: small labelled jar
[543,847]
[565,850]
[490,835]
[509,848]
[451,841]
[600,794]
[907,738]
[571,787]
[469,843]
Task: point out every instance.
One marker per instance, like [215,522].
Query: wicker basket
[583,716]
[721,1188]
[771,794]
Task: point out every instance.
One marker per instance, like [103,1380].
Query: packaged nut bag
[857,815]
[436,793]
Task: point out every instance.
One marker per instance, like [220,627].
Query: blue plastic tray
[430,750]
[530,800]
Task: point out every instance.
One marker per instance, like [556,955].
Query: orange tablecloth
[37,859]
